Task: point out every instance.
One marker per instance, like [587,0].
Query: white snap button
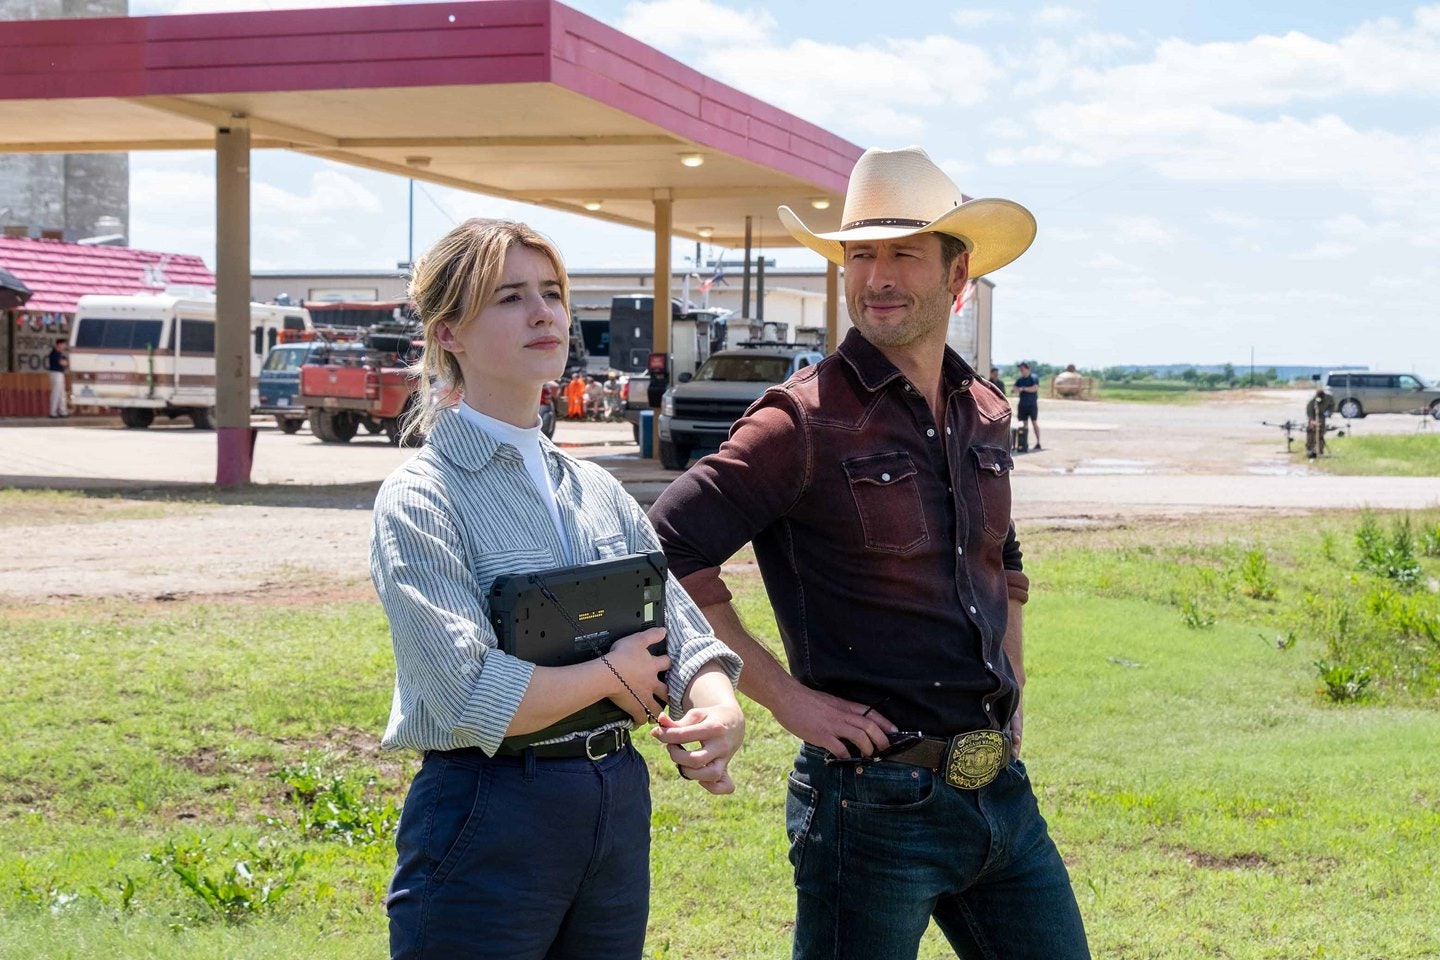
[930,432]
[885,477]
[972,609]
[960,550]
[987,708]
[947,431]
[989,665]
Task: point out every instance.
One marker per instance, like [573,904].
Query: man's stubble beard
[932,312]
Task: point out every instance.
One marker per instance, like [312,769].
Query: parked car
[280,384]
[1359,394]
[698,412]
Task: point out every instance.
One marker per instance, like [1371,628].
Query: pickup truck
[345,385]
[698,412]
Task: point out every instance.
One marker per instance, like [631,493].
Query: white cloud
[1005,128]
[835,85]
[1147,230]
[668,23]
[1229,218]
[1108,261]
[332,194]
[1328,250]
[1056,17]
[979,16]
[1039,153]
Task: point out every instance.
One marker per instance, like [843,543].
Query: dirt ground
[140,520]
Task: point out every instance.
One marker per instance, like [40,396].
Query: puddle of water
[1276,469]
[1087,471]
[1108,466]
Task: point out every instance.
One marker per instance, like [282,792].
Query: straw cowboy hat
[899,193]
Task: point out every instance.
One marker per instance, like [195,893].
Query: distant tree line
[1225,378]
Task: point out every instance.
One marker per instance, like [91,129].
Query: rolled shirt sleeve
[690,640]
[453,687]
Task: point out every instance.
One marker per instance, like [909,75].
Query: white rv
[152,355]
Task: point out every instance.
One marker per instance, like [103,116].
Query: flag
[717,277]
[966,292]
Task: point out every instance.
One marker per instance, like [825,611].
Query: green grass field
[1150,391]
[1396,455]
[1209,800]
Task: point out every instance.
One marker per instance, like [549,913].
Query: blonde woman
[507,847]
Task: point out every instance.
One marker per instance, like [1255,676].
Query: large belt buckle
[975,758]
[615,733]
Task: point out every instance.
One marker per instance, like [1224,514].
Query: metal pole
[410,250]
[661,335]
[234,438]
[745,284]
[760,288]
[832,305]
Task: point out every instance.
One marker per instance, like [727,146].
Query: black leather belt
[968,761]
[596,746]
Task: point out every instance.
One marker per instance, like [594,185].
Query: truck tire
[136,418]
[203,418]
[1435,409]
[1350,408]
[336,427]
[673,456]
[373,426]
[288,424]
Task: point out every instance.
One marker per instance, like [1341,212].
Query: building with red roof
[58,274]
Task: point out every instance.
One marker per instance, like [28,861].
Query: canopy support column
[663,225]
[832,306]
[235,441]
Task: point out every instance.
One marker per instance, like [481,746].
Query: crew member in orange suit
[575,398]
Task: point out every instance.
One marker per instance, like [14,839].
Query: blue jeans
[522,859]
[879,849]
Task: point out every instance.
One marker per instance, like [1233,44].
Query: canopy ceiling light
[691,159]
[592,205]
[820,203]
[706,232]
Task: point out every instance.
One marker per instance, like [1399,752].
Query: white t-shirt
[527,441]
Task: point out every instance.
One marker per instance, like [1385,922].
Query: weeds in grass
[1343,682]
[1194,615]
[1256,580]
[1392,557]
[1430,540]
[335,806]
[254,881]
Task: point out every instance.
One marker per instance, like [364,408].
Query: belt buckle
[975,758]
[612,732]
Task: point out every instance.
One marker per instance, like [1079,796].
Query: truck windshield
[745,369]
[286,358]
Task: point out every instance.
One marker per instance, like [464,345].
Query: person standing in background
[57,363]
[1027,386]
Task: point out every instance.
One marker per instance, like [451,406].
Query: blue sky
[1208,178]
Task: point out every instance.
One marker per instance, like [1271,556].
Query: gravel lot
[304,527]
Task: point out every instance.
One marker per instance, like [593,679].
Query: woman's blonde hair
[451,284]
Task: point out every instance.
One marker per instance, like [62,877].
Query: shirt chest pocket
[608,546]
[992,482]
[886,492]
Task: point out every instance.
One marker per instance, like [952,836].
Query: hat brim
[995,232]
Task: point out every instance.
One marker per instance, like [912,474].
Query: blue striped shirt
[460,513]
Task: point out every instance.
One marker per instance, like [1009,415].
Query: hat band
[885,222]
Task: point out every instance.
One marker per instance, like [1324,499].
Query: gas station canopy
[524,99]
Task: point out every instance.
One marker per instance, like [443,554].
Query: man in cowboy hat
[875,488]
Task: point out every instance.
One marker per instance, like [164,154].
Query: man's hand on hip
[841,726]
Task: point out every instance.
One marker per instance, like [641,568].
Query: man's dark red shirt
[884,539]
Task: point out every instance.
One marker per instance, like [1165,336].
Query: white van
[155,354]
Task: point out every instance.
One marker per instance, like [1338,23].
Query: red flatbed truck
[369,383]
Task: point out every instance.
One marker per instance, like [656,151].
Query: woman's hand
[641,669]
